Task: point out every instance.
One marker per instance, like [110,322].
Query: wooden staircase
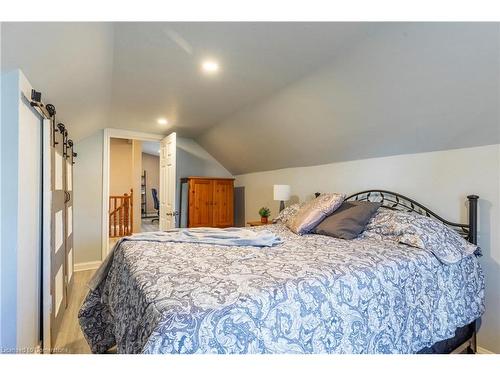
[121,215]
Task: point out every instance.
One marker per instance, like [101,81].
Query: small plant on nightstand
[264,213]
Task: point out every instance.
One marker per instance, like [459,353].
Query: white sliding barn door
[47,236]
[69,223]
[57,230]
[167,181]
[58,234]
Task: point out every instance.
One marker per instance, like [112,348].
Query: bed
[311,294]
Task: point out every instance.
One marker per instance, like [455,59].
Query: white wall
[21,215]
[87,199]
[1,199]
[29,227]
[439,180]
[10,140]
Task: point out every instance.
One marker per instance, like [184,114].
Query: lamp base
[282,205]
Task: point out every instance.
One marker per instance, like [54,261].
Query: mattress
[311,294]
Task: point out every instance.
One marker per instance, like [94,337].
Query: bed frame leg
[472,348]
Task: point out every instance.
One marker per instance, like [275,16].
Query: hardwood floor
[70,338]
[148,226]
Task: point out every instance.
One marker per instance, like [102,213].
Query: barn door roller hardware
[71,153]
[36,102]
[49,112]
[64,132]
[52,111]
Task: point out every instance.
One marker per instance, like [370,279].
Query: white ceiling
[126,75]
[70,63]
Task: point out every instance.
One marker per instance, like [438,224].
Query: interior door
[58,235]
[223,213]
[200,202]
[167,182]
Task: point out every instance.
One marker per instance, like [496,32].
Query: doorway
[134,185]
[150,186]
[132,168]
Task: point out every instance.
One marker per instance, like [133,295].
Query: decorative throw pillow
[288,213]
[348,221]
[423,232]
[314,211]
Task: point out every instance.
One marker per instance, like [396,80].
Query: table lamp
[282,194]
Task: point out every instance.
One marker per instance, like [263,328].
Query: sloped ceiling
[288,94]
[410,88]
[127,75]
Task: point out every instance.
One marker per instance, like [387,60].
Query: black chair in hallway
[156,204]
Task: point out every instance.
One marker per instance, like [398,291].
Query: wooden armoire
[209,202]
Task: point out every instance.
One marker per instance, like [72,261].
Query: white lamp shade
[282,192]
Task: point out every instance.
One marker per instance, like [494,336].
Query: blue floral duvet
[311,294]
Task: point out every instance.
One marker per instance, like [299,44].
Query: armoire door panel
[223,203]
[200,203]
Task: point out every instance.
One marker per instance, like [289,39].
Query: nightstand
[258,223]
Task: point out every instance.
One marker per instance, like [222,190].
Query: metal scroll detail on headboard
[397,201]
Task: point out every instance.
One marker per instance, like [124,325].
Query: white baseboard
[483,351]
[85,266]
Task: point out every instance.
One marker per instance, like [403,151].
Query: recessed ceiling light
[210,66]
[162,121]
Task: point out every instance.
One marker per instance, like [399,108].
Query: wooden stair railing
[121,215]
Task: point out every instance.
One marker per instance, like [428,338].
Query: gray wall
[87,199]
[194,160]
[412,87]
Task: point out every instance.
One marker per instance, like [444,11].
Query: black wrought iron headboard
[397,201]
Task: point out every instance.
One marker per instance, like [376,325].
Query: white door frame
[108,134]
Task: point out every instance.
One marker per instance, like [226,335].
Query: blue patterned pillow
[288,213]
[420,231]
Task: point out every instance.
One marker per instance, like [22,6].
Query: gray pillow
[309,215]
[348,221]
